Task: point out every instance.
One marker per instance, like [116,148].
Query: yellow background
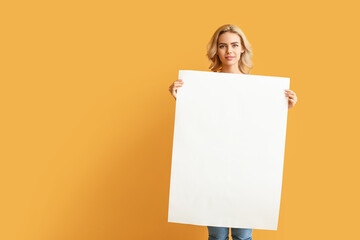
[87,119]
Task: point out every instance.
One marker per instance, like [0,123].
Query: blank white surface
[228,150]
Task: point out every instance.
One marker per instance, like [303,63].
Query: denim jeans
[222,233]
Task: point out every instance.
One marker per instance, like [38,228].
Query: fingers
[290,94]
[174,87]
[179,83]
[292,97]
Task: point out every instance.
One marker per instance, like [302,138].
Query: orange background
[87,119]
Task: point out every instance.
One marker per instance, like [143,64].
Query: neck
[231,69]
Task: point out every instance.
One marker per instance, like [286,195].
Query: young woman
[230,52]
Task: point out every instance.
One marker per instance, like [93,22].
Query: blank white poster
[228,150]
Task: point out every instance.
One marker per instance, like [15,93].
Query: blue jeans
[222,233]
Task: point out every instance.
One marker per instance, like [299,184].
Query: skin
[229,45]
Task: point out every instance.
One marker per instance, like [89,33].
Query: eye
[236,45]
[221,46]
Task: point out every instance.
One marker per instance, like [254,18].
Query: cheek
[221,52]
[239,53]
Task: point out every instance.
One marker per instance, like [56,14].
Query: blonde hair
[245,58]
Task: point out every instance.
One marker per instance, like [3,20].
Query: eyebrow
[225,43]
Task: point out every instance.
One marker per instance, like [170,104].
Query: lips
[229,57]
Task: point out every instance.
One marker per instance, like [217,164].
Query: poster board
[228,150]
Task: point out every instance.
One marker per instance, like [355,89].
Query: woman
[230,52]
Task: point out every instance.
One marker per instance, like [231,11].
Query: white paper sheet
[228,150]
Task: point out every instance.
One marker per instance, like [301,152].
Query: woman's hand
[292,98]
[174,87]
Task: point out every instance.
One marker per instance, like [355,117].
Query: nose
[229,49]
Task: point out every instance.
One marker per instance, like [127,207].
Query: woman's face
[229,48]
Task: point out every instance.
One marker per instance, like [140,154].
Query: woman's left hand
[292,97]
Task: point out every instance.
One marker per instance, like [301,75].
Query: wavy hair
[245,58]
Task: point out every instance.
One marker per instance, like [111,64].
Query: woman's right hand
[174,87]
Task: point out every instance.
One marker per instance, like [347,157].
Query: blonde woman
[230,52]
